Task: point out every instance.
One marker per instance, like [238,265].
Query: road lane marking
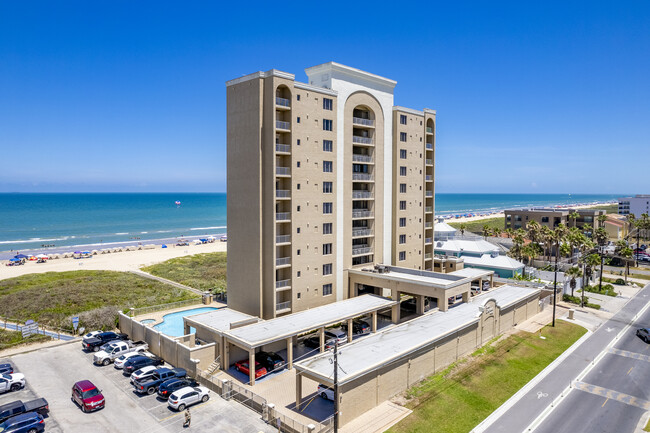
[627,354]
[628,372]
[614,395]
[605,402]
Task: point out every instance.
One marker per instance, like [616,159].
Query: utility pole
[600,284]
[336,386]
[638,247]
[584,277]
[557,253]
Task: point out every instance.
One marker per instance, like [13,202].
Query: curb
[34,349]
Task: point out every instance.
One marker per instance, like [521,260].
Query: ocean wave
[120,233]
[208,228]
[26,241]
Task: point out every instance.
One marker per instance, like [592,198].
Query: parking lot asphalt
[51,372]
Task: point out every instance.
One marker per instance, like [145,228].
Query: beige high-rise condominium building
[322,177]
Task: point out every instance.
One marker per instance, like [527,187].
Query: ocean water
[95,221]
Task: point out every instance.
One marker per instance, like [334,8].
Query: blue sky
[130,96]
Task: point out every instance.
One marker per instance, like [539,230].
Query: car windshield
[90,393]
[6,376]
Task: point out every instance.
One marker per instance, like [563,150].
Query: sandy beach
[121,261]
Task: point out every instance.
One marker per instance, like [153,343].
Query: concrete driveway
[51,372]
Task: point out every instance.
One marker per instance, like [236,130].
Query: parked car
[644,334]
[138,362]
[142,373]
[87,396]
[116,349]
[95,342]
[92,334]
[17,407]
[188,396]
[270,360]
[358,327]
[121,360]
[6,368]
[11,382]
[325,392]
[244,368]
[168,387]
[30,422]
[150,384]
[330,336]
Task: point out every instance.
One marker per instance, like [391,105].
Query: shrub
[620,281]
[576,300]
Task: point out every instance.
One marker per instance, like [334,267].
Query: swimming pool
[147,321]
[172,323]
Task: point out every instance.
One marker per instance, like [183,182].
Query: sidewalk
[378,419]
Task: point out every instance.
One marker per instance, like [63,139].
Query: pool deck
[157,316]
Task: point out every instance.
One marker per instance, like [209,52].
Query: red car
[87,396]
[243,367]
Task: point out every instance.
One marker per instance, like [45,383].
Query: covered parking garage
[282,332]
[375,368]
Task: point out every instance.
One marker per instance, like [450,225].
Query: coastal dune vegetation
[200,271]
[53,298]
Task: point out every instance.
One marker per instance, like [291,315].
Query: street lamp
[557,253]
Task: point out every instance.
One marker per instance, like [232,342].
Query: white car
[11,382]
[121,360]
[326,392]
[188,396]
[143,372]
[92,334]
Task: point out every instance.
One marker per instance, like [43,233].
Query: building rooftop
[443,227]
[267,331]
[429,278]
[498,262]
[471,273]
[379,349]
[221,319]
[477,246]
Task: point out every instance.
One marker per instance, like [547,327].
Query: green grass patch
[477,226]
[578,301]
[53,298]
[640,276]
[200,271]
[457,399]
[605,289]
[14,338]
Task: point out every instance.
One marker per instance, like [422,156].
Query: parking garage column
[350,330]
[419,304]
[298,391]
[226,354]
[465,296]
[491,281]
[443,304]
[394,316]
[374,322]
[290,353]
[321,338]
[251,367]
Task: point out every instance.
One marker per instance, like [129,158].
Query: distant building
[617,226]
[551,218]
[636,205]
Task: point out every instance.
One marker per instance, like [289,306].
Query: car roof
[183,390]
[85,385]
[23,417]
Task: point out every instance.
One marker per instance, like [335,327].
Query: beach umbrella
[77,252]
[42,256]
[14,260]
[20,256]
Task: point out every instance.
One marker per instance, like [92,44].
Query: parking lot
[51,372]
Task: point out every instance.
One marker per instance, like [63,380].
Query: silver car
[188,396]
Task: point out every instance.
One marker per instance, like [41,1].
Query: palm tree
[573,273]
[600,236]
[623,250]
[462,228]
[533,231]
[486,231]
[574,216]
[546,236]
[509,232]
[601,220]
[496,232]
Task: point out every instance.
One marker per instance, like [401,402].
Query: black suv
[168,387]
[644,334]
[137,362]
[270,360]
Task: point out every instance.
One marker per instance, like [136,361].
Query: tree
[600,236]
[496,232]
[509,232]
[574,216]
[462,229]
[601,220]
[533,231]
[591,262]
[486,231]
[623,250]
[573,273]
[546,237]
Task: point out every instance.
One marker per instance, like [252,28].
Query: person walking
[188,418]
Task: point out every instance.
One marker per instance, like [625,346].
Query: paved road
[578,412]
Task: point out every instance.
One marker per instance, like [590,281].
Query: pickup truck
[94,343]
[150,384]
[116,349]
[11,382]
[17,407]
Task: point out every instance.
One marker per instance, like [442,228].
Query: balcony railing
[364,122]
[429,130]
[361,214]
[283,193]
[428,225]
[361,194]
[282,125]
[427,256]
[428,194]
[428,178]
[283,170]
[283,216]
[361,232]
[281,261]
[282,239]
[361,250]
[282,102]
[282,283]
[282,306]
[361,140]
[361,176]
[428,240]
[428,209]
[283,148]
[361,158]
[429,161]
[430,146]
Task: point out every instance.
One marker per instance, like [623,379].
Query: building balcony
[359,233]
[429,146]
[283,307]
[283,148]
[282,283]
[361,250]
[362,158]
[362,214]
[428,161]
[361,195]
[282,262]
[428,241]
[362,177]
[285,126]
[283,193]
[428,209]
[428,224]
[282,102]
[428,193]
[283,216]
[283,171]
[428,178]
[429,130]
[363,122]
[427,256]
[362,140]
[283,239]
